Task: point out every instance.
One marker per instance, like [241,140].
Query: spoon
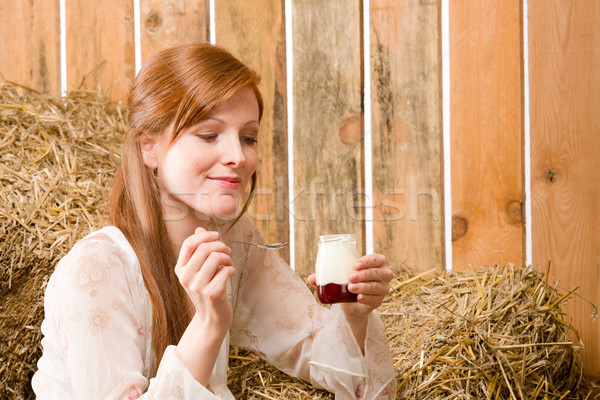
[268,246]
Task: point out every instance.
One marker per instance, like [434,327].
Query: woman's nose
[232,151]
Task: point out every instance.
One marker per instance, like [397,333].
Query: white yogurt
[335,259]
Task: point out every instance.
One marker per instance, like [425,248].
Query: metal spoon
[268,246]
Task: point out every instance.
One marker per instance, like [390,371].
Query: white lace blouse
[98,325]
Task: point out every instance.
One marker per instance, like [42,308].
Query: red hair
[180,85]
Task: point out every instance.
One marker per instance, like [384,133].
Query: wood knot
[460,226]
[350,131]
[514,210]
[550,175]
[153,21]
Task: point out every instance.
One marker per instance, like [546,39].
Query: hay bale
[249,377]
[496,333]
[58,158]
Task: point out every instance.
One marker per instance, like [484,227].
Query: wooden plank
[30,45]
[167,23]
[255,32]
[564,75]
[328,150]
[100,46]
[486,132]
[406,132]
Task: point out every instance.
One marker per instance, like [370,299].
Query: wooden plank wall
[487,120]
[100,48]
[406,127]
[564,73]
[30,45]
[167,23]
[328,150]
[486,132]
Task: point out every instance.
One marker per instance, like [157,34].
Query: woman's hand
[203,268]
[370,281]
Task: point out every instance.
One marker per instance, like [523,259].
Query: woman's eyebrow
[215,118]
[212,119]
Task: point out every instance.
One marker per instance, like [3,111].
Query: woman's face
[206,169]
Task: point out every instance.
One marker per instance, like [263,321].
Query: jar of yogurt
[335,262]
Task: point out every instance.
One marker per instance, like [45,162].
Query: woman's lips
[226,182]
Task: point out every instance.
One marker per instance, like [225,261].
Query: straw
[494,333]
[58,158]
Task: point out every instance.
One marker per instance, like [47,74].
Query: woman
[148,306]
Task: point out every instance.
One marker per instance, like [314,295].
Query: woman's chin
[227,208]
[226,216]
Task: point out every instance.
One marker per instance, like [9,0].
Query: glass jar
[335,262]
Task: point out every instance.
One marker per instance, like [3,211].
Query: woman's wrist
[354,313]
[358,322]
[199,347]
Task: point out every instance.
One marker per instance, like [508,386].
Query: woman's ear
[149,148]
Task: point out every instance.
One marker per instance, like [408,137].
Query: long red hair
[180,85]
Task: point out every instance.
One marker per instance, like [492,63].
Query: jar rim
[338,238]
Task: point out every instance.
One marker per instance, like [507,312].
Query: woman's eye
[249,140]
[207,137]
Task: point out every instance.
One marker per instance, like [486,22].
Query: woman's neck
[182,225]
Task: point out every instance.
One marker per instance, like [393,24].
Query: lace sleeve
[94,334]
[277,318]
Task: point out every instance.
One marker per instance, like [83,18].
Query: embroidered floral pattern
[92,274]
[360,390]
[132,393]
[98,320]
